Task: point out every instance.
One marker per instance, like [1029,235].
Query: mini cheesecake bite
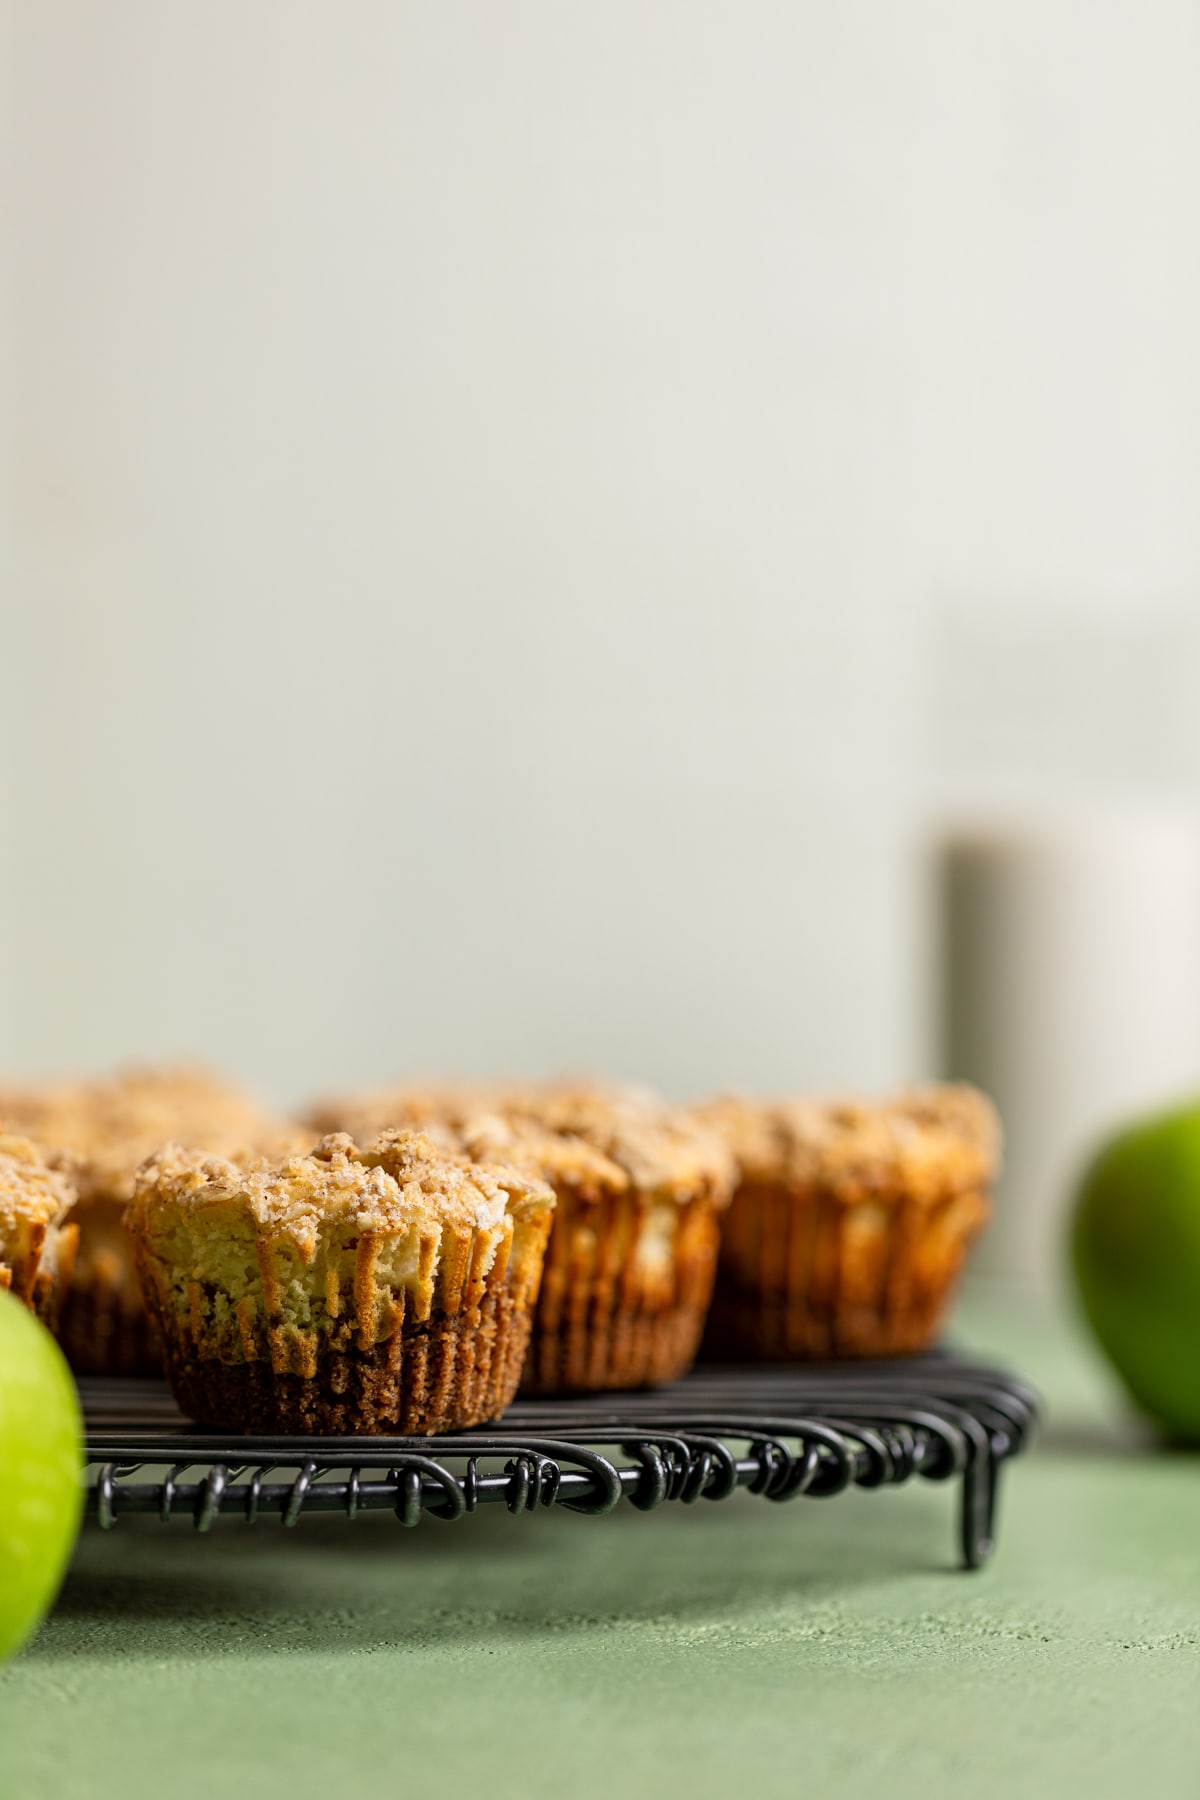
[851,1221]
[381,1288]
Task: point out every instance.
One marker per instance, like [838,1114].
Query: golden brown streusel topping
[111,1124]
[593,1137]
[400,1179]
[661,1149]
[561,1159]
[404,1106]
[32,1186]
[421,1103]
[927,1140]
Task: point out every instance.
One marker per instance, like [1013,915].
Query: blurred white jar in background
[1069,951]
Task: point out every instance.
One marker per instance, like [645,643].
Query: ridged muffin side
[383,1288]
[851,1222]
[37,1246]
[633,1248]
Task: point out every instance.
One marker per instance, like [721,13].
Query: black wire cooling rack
[781,1433]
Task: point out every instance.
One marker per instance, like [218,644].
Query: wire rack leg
[979,1484]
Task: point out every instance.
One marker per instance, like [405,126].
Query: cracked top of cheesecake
[594,1139]
[922,1143]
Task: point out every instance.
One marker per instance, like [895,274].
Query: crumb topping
[369,1111]
[109,1125]
[927,1139]
[33,1187]
[400,1179]
[594,1138]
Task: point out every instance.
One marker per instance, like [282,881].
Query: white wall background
[517,515]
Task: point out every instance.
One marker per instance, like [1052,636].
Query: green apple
[1136,1243]
[41,1488]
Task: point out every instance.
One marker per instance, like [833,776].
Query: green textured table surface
[742,1648]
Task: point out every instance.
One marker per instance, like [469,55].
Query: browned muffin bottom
[851,1223]
[633,1247]
[104,1328]
[436,1375]
[107,1127]
[373,1289]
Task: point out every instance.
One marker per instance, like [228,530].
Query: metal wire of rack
[781,1433]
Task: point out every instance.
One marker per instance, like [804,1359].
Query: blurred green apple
[1136,1243]
[41,1489]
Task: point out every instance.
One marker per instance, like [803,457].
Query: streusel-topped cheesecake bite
[851,1221]
[633,1251]
[108,1125]
[387,1287]
[37,1246]
[633,1247]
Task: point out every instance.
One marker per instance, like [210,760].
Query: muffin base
[805,1276]
[600,1322]
[747,1329]
[624,1350]
[104,1330]
[441,1375]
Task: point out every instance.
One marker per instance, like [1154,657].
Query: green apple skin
[1136,1249]
[41,1463]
